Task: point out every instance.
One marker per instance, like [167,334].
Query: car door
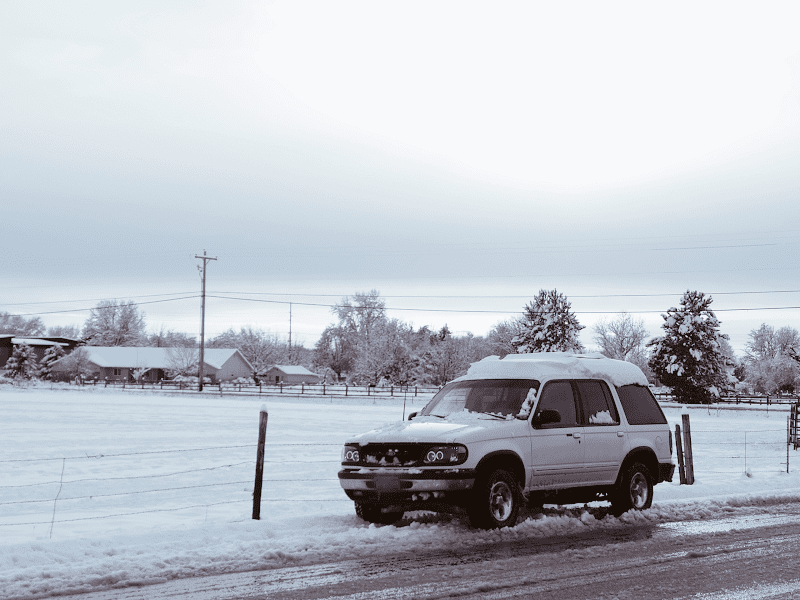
[605,439]
[557,448]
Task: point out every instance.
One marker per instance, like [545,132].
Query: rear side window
[640,406]
[598,407]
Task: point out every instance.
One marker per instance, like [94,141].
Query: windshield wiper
[493,415]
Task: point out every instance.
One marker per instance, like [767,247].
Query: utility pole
[205,260]
[290,333]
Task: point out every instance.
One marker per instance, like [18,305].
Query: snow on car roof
[547,365]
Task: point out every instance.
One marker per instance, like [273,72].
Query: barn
[290,374]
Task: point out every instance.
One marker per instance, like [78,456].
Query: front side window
[558,396]
[499,397]
[598,406]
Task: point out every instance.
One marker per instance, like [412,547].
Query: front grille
[392,455]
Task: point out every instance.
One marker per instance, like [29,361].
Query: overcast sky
[454,156]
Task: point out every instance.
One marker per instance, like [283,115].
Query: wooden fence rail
[739,399]
[280,388]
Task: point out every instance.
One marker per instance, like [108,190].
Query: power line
[511,297]
[448,310]
[94,299]
[67,310]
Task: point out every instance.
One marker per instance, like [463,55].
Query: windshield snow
[499,397]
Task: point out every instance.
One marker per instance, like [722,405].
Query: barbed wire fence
[74,498]
[294,472]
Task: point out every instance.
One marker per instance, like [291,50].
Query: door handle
[620,434]
[577,436]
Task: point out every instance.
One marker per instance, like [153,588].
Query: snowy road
[752,555]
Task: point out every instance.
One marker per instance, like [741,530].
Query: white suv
[547,427]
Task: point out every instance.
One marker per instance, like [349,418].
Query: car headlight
[445,455]
[351,455]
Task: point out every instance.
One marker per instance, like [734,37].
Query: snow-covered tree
[548,325]
[768,364]
[262,349]
[689,356]
[76,363]
[52,354]
[113,323]
[359,318]
[386,354]
[19,325]
[22,364]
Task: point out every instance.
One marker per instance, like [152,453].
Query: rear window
[640,406]
[598,407]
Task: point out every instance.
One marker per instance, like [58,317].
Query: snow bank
[306,518]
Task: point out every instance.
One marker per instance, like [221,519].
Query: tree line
[364,346]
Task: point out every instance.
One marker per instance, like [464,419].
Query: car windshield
[500,397]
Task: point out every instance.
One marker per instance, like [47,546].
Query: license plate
[385,482]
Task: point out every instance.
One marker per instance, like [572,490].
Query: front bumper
[388,481]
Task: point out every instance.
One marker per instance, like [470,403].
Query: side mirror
[412,415]
[547,416]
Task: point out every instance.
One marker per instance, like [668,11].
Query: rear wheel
[634,490]
[372,513]
[495,501]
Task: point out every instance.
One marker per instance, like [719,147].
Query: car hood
[433,429]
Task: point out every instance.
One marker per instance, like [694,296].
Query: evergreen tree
[548,325]
[689,356]
[22,364]
[46,365]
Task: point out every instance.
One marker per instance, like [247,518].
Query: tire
[372,513]
[495,501]
[634,491]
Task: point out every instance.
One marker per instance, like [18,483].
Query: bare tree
[72,332]
[500,336]
[183,361]
[622,338]
[169,338]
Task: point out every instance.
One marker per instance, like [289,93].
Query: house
[40,345]
[290,374]
[131,363]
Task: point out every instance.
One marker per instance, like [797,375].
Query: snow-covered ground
[79,470]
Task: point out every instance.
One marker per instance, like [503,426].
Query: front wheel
[634,490]
[375,514]
[495,501]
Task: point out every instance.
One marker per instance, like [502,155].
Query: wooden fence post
[679,453]
[262,436]
[687,449]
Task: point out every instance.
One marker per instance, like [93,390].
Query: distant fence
[740,399]
[317,389]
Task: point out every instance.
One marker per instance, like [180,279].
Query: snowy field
[106,489]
